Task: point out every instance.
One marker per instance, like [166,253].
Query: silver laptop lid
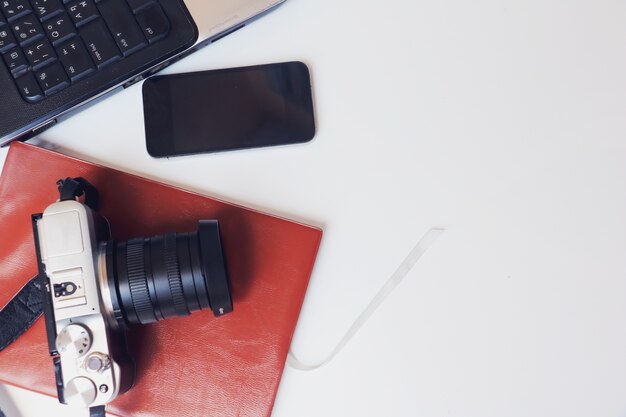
[217,16]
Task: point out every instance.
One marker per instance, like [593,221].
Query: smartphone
[229,109]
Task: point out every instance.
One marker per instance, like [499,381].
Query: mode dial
[73,341]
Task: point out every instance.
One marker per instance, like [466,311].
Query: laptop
[58,55]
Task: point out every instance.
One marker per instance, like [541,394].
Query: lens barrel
[170,275]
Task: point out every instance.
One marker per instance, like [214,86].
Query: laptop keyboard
[48,45]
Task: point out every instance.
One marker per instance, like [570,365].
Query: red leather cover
[191,366]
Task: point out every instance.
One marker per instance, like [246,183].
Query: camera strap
[72,188]
[97,411]
[21,312]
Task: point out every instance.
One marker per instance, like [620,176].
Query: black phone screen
[228,109]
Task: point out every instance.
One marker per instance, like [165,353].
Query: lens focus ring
[137,281]
[173,275]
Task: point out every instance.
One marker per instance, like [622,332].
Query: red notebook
[191,366]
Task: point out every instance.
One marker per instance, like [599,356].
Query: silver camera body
[86,340]
[95,287]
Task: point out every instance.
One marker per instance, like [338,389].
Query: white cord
[405,267]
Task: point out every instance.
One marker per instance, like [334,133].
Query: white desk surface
[503,121]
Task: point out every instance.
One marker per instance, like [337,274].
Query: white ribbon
[403,269]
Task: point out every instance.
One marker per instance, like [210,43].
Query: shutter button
[97,362]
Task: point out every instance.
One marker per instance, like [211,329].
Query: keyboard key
[27,29]
[75,59]
[52,78]
[153,22]
[45,9]
[6,38]
[45,52]
[29,89]
[15,8]
[136,5]
[123,26]
[39,53]
[82,11]
[100,44]
[15,61]
[59,28]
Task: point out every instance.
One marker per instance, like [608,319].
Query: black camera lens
[170,275]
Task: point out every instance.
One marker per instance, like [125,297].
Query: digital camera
[95,287]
